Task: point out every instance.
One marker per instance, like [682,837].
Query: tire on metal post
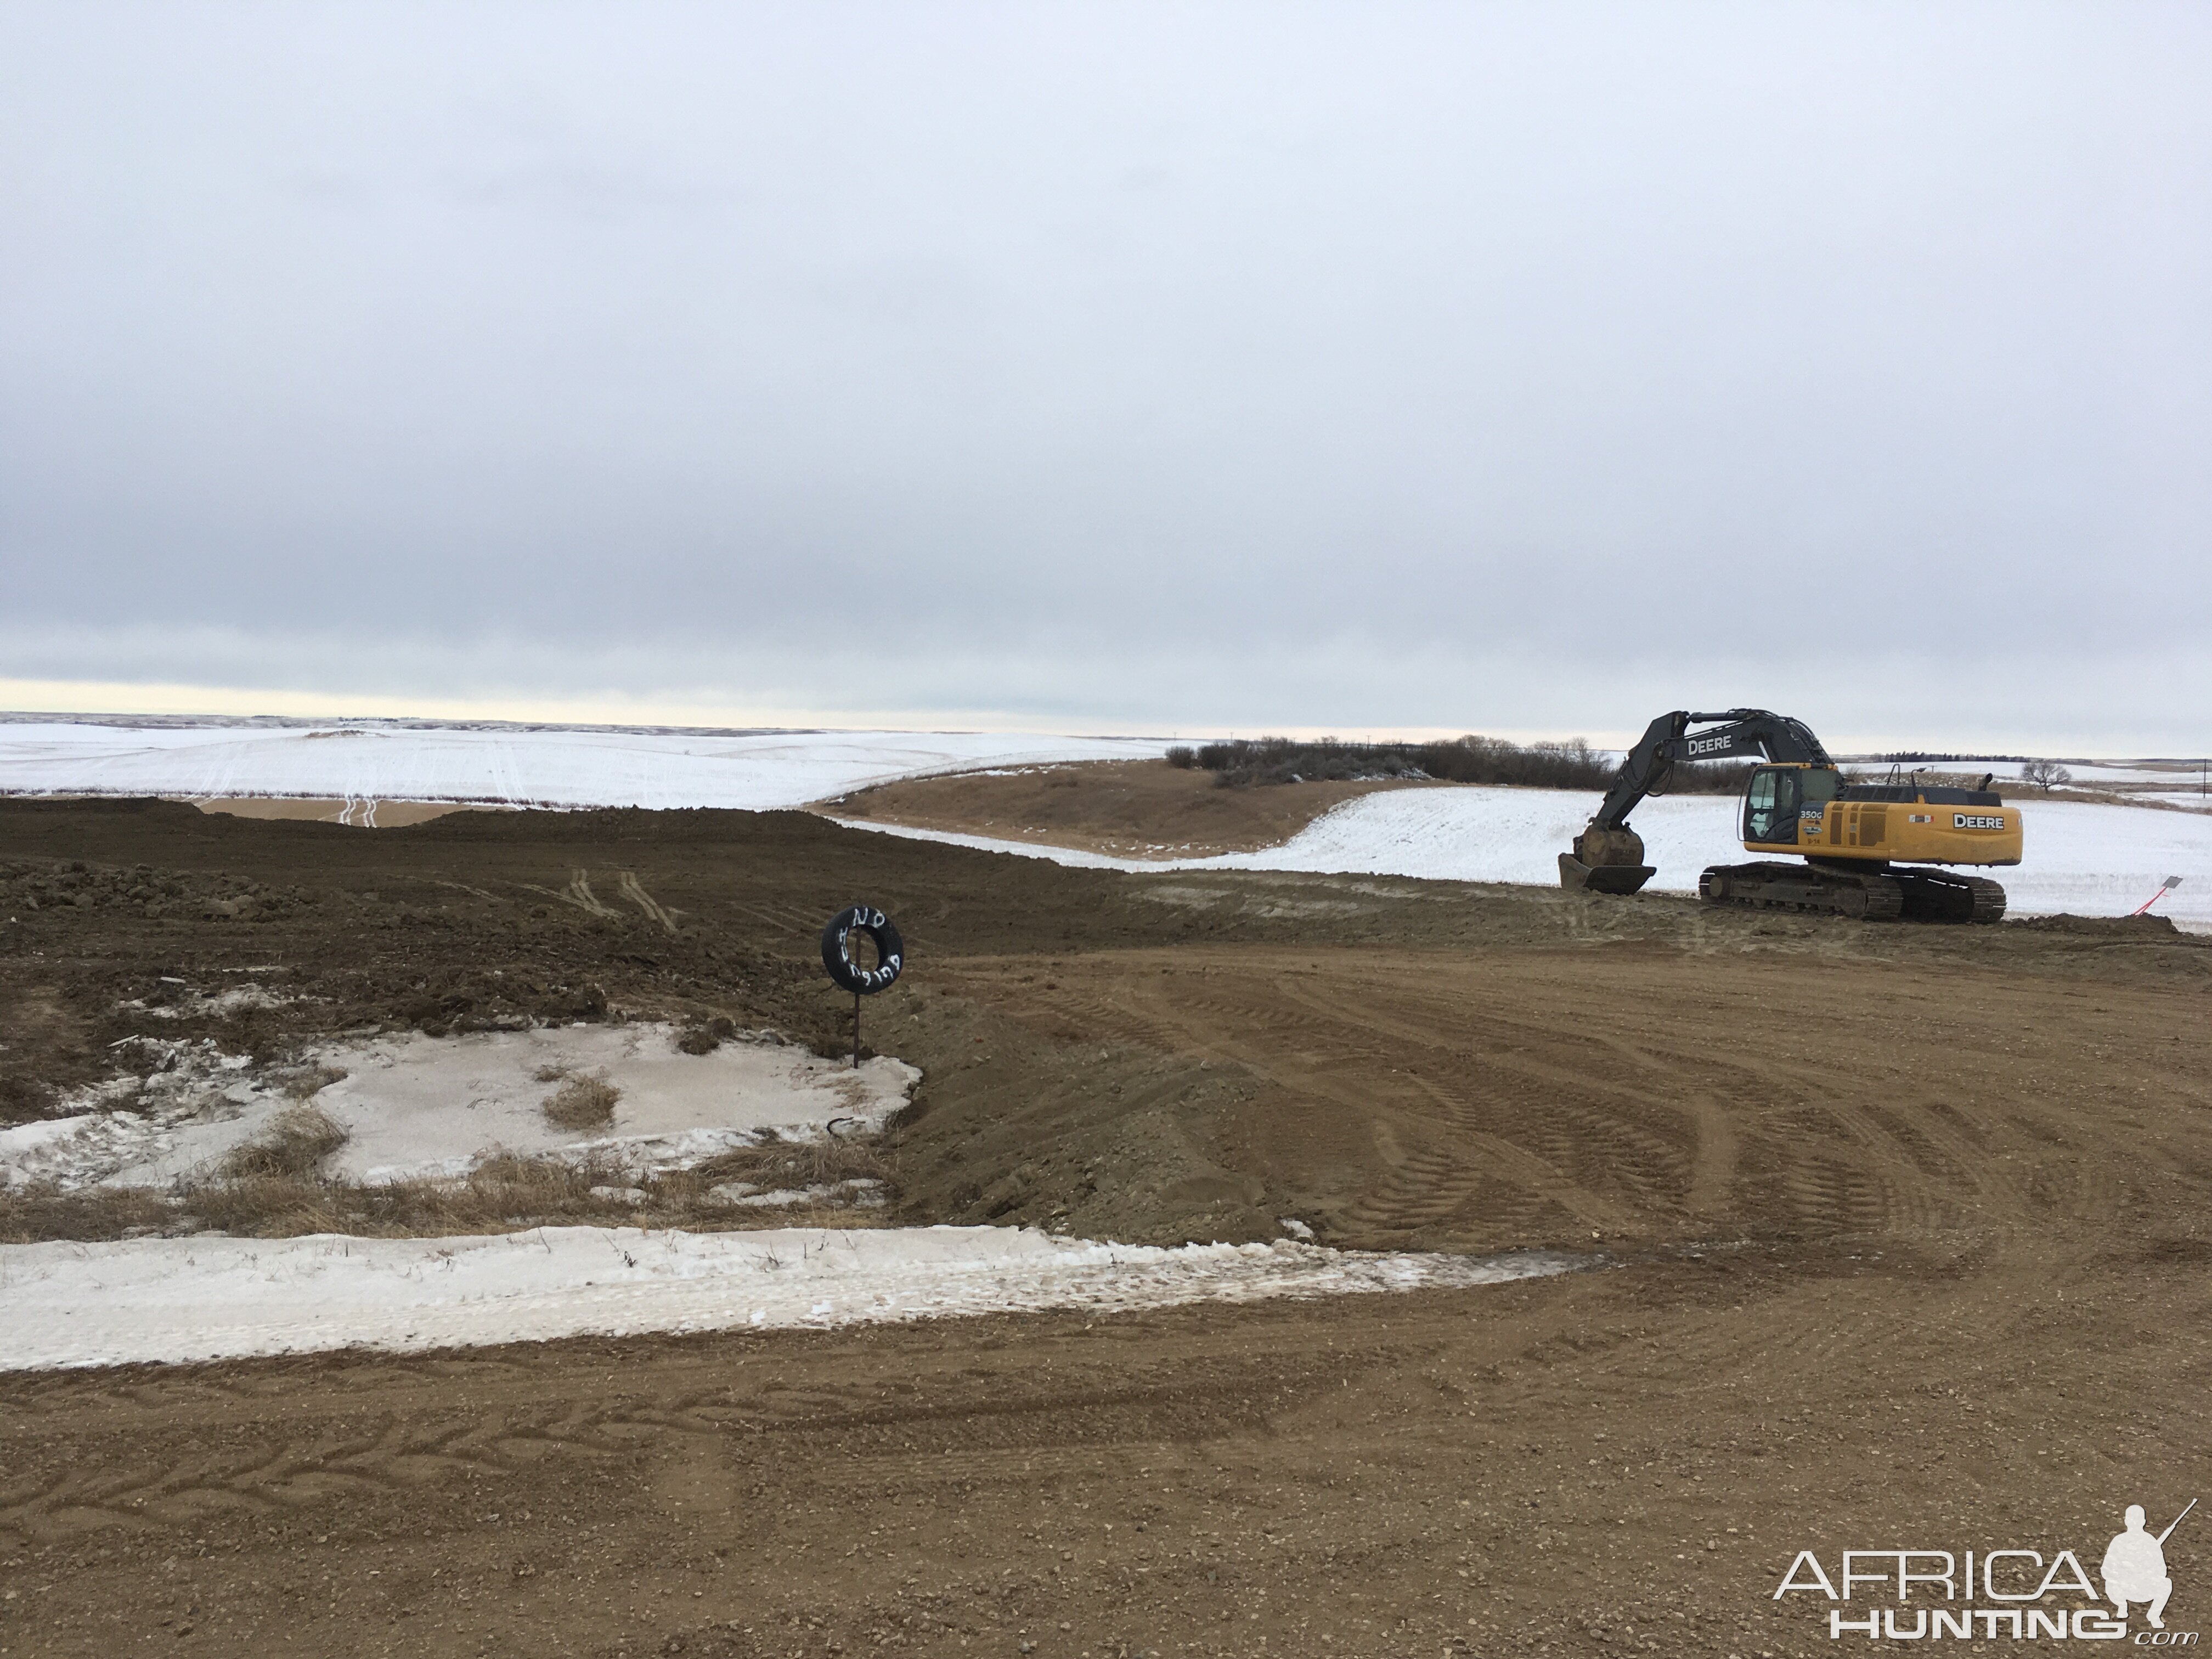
[836,951]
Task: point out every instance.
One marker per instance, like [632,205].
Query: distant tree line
[1241,761]
[1908,758]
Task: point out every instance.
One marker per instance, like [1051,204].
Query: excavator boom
[1608,856]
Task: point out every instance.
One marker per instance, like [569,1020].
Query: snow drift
[177,1300]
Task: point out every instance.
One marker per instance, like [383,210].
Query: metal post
[856,1030]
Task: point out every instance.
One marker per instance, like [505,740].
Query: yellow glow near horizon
[121,697]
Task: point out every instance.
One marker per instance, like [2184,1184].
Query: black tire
[890,950]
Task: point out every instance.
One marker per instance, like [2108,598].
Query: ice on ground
[174,1084]
[2083,858]
[202,1005]
[182,1300]
[601,767]
[416,1107]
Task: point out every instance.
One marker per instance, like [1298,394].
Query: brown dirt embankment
[1170,1056]
[362,813]
[1129,809]
[1905,1229]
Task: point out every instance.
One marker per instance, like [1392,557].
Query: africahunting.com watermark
[1894,1595]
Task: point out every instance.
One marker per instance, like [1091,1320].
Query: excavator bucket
[1580,878]
[1606,861]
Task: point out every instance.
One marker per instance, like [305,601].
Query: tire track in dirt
[325,1456]
[1580,1096]
[628,886]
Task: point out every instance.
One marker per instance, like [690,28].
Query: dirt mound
[372,813]
[2152,927]
[1130,809]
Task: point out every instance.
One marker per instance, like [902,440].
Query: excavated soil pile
[1905,1234]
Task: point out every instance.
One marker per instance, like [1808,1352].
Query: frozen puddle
[414,1106]
[172,1301]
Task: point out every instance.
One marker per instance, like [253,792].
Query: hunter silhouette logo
[1932,1593]
[2134,1566]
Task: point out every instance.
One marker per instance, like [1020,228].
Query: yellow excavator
[1865,846]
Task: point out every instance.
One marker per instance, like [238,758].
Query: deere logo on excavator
[1968,821]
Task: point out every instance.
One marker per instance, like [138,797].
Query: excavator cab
[1770,805]
[1779,799]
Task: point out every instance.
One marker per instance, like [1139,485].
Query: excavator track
[1890,894]
[1939,895]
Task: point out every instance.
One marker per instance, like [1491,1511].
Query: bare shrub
[582,1103]
[1182,756]
[293,1145]
[1572,764]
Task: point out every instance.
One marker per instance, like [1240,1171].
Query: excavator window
[1770,805]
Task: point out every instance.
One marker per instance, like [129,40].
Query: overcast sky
[1522,368]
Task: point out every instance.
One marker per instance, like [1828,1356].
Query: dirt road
[1905,1230]
[1622,1461]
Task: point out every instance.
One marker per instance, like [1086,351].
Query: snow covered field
[581,767]
[2081,858]
[176,1300]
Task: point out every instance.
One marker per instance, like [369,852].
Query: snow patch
[183,1300]
[2083,858]
[416,1107]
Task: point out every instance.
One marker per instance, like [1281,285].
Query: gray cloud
[1507,367]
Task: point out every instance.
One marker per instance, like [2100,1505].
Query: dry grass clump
[582,1103]
[502,1194]
[826,1162]
[268,1206]
[552,1071]
[294,1144]
[704,1036]
[798,1164]
[307,1081]
[508,1193]
[499,1194]
[89,1215]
